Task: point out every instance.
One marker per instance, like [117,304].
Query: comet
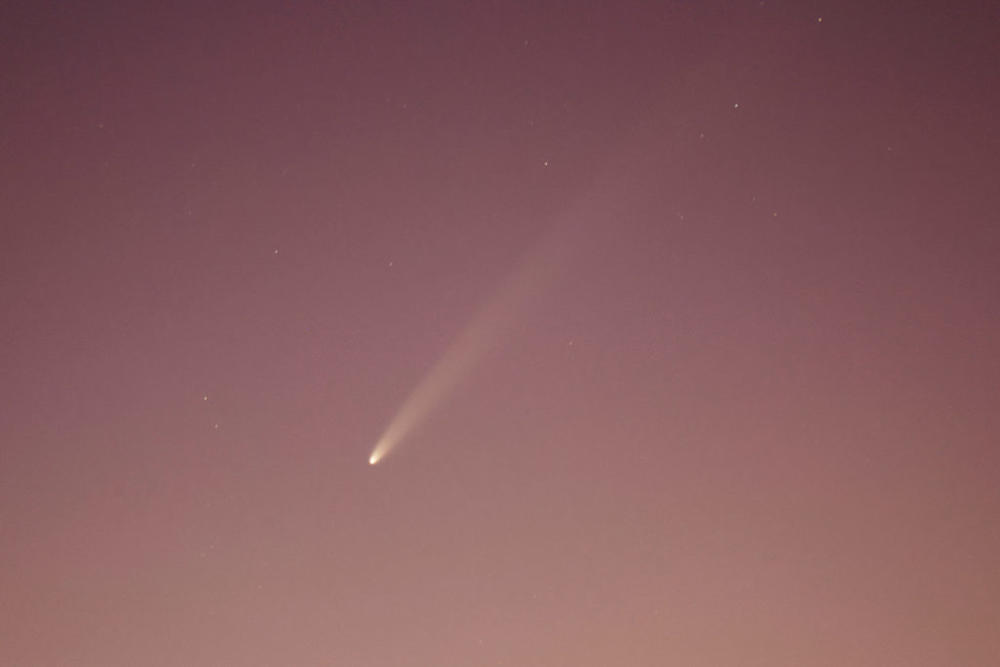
[486,329]
[593,216]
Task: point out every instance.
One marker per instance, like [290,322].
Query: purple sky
[742,408]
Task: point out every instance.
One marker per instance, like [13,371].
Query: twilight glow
[677,320]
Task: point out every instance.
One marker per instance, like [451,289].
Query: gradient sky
[744,413]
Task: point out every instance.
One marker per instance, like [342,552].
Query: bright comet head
[372,460]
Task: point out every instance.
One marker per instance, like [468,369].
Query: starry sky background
[752,421]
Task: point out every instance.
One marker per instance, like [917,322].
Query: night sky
[690,313]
